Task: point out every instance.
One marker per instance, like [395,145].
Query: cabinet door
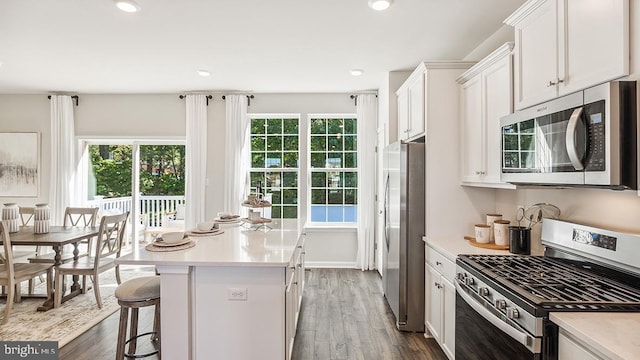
[449,322]
[472,130]
[497,103]
[403,115]
[536,56]
[570,350]
[416,106]
[433,307]
[595,42]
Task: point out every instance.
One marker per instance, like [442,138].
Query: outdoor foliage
[161,169]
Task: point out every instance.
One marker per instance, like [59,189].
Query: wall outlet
[237,294]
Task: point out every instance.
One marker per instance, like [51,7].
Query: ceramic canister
[11,216]
[41,217]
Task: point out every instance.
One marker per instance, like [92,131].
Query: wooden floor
[344,316]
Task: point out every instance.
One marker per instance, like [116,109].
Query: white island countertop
[237,246]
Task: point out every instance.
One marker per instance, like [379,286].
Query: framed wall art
[19,164]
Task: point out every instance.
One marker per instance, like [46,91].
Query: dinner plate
[211,233]
[198,231]
[161,243]
[236,219]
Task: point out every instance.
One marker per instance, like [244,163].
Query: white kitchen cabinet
[568,349]
[562,46]
[440,299]
[293,294]
[417,93]
[485,97]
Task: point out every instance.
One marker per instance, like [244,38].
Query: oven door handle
[523,338]
[570,139]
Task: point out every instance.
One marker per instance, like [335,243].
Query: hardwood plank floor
[344,316]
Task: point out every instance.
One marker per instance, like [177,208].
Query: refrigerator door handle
[387,226]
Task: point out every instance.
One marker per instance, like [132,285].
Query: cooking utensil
[519,215]
[536,212]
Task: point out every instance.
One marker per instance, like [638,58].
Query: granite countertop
[237,246]
[614,335]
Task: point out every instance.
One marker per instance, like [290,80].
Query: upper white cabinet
[562,46]
[485,97]
[416,93]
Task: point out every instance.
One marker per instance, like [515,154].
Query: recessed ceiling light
[128,5]
[357,72]
[380,5]
[203,72]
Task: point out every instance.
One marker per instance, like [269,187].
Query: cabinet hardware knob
[559,81]
[438,263]
[551,83]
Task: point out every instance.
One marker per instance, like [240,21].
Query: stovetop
[555,284]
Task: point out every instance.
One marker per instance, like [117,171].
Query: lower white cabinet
[293,294]
[571,350]
[440,300]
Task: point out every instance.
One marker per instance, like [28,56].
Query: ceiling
[89,46]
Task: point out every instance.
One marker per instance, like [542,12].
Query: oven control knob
[483,291]
[469,281]
[461,276]
[513,313]
[501,304]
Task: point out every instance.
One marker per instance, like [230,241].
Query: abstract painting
[19,164]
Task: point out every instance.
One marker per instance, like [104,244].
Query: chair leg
[122,332]
[32,286]
[133,331]
[156,324]
[96,291]
[49,283]
[58,291]
[7,307]
[18,295]
[118,274]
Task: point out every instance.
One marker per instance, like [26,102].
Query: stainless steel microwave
[588,138]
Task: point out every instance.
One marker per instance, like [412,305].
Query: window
[274,162]
[333,168]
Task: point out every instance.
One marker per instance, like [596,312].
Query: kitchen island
[233,296]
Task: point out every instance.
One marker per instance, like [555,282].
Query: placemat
[152,247]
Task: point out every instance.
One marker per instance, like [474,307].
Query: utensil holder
[520,240]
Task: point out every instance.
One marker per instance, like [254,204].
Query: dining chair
[13,274]
[107,248]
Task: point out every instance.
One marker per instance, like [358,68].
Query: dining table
[56,238]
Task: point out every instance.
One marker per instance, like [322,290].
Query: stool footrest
[134,356]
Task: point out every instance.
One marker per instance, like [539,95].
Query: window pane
[349,143]
[334,214]
[273,180]
[334,160]
[289,196]
[274,126]
[350,160]
[274,159]
[335,196]
[350,213]
[335,143]
[290,143]
[290,160]
[318,126]
[289,212]
[257,160]
[318,143]
[274,143]
[318,196]
[318,213]
[257,126]
[317,160]
[350,126]
[334,126]
[276,212]
[255,177]
[290,179]
[277,198]
[351,179]
[318,179]
[350,196]
[290,126]
[334,179]
[257,143]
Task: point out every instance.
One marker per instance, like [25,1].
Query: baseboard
[330,264]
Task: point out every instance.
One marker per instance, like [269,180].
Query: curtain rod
[355,98]
[208,97]
[74,97]
[249,97]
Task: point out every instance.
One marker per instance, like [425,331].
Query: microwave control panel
[595,121]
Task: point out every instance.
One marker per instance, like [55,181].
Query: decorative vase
[41,219]
[11,216]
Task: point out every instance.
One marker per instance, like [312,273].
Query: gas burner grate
[555,284]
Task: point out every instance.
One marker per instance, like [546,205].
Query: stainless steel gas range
[503,301]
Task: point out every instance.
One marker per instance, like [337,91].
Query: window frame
[309,170]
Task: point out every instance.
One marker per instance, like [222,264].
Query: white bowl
[206,226]
[173,237]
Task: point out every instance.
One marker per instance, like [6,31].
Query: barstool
[134,294]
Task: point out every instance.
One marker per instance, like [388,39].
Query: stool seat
[139,289]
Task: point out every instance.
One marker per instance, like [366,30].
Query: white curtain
[63,152]
[367,112]
[236,152]
[196,160]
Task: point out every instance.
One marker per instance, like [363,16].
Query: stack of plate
[198,232]
[160,245]
[234,219]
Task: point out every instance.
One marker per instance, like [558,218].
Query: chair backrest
[110,235]
[26,215]
[80,216]
[6,258]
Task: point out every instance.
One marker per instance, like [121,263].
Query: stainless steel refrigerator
[403,270]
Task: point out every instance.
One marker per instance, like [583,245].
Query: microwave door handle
[570,139]
[523,338]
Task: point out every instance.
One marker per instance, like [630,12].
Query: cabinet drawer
[439,262]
